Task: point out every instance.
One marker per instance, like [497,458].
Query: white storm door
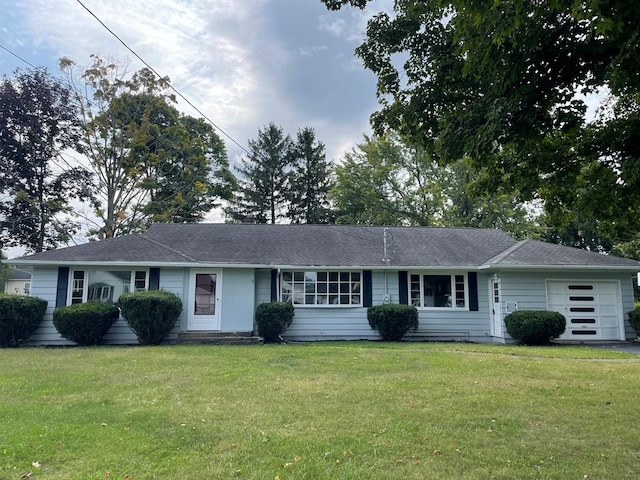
[204,299]
[496,308]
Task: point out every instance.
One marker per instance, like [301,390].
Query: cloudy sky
[244,63]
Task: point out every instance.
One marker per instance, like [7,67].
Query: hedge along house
[463,281]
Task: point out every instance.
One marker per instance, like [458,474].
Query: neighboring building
[19,282]
[462,280]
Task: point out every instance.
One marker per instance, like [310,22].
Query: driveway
[629,347]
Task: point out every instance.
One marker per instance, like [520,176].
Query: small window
[77,287]
[438,291]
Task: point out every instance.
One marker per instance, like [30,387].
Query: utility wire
[19,57]
[160,77]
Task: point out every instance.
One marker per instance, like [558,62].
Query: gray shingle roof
[333,245]
[325,245]
[536,253]
[131,248]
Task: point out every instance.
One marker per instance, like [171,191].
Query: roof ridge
[173,250]
[505,253]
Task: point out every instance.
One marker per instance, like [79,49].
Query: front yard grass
[362,410]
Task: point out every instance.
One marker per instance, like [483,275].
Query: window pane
[286,276]
[205,294]
[437,291]
[77,287]
[298,276]
[344,288]
[140,281]
[333,288]
[322,276]
[460,291]
[355,276]
[344,299]
[107,285]
[333,276]
[322,288]
[344,276]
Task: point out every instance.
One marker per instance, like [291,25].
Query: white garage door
[592,309]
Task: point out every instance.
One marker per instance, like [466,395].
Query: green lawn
[364,410]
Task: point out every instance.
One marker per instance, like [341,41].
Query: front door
[204,300]
[496,308]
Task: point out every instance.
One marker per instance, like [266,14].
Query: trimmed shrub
[20,317]
[634,320]
[85,323]
[393,321]
[273,319]
[151,314]
[535,327]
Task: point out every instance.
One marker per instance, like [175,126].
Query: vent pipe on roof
[386,258]
[249,220]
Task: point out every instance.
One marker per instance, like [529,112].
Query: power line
[19,57]
[160,77]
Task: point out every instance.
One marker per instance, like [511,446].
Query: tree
[38,122]
[309,180]
[151,162]
[262,192]
[5,271]
[383,182]
[387,182]
[506,84]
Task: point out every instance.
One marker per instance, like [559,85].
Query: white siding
[327,323]
[453,324]
[263,286]
[173,280]
[44,282]
[528,291]
[237,300]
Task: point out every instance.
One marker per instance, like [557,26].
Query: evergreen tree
[264,177]
[309,180]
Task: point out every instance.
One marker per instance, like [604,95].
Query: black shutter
[473,291]
[274,285]
[63,282]
[403,287]
[367,289]
[154,279]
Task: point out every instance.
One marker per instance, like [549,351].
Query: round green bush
[151,314]
[20,317]
[85,323]
[634,320]
[273,319]
[392,321]
[535,327]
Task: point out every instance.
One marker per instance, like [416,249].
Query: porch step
[218,338]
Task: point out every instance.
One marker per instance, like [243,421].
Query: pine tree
[264,177]
[309,180]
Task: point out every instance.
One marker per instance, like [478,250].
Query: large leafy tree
[38,122]
[262,193]
[385,181]
[309,180]
[151,162]
[506,83]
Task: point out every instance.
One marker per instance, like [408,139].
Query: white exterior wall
[44,283]
[350,323]
[457,324]
[528,290]
[237,302]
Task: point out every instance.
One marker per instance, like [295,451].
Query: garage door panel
[592,309]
